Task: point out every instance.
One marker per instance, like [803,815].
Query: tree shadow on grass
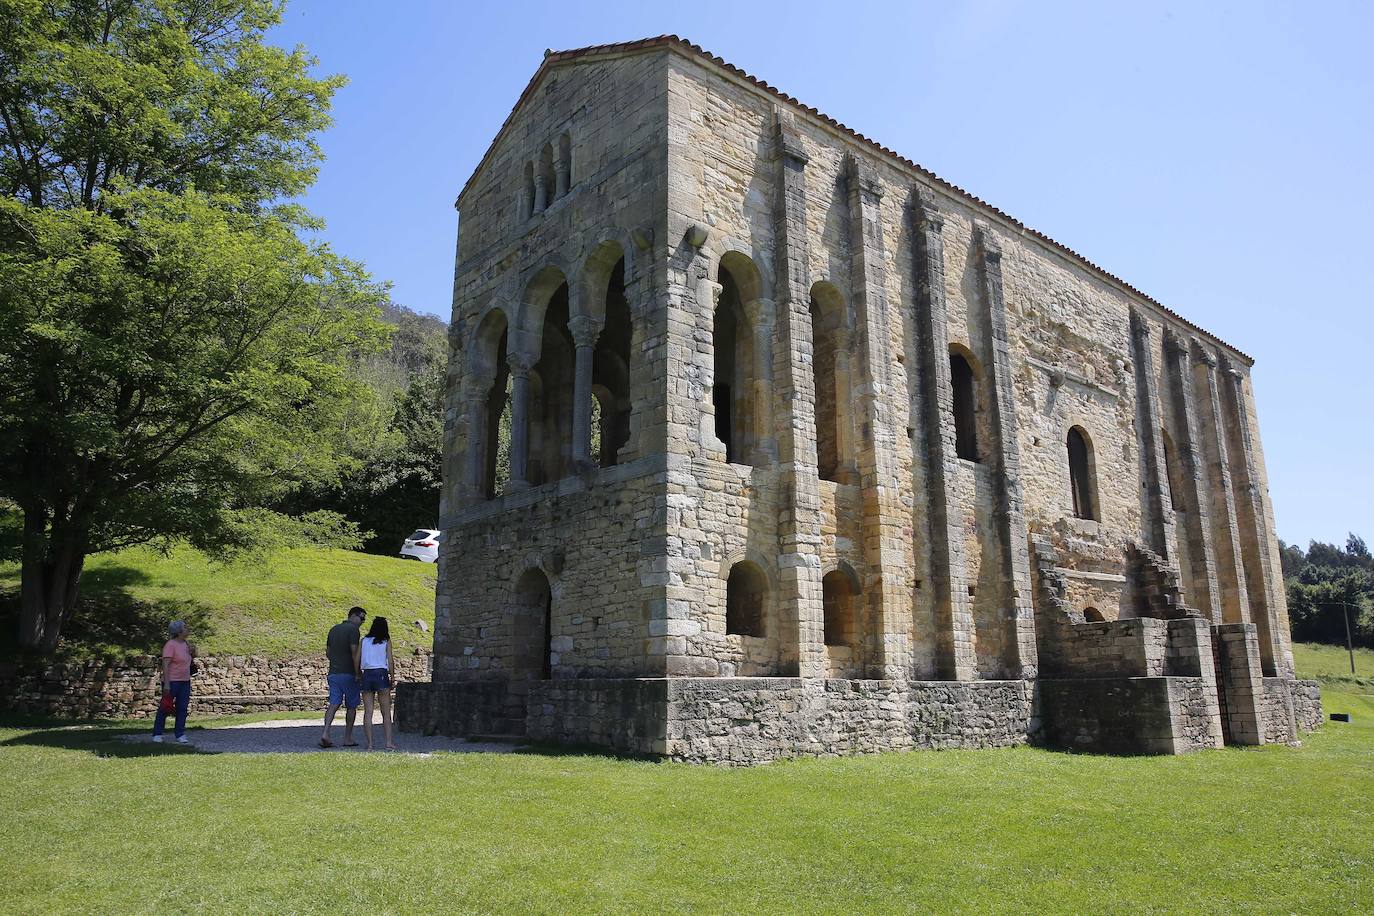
[102,740]
[110,622]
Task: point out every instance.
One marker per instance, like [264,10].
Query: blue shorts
[343,691]
[376,679]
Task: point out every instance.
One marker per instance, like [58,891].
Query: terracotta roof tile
[553,58]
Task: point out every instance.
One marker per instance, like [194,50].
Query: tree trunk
[50,575]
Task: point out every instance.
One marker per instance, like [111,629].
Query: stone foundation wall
[223,685]
[1128,715]
[755,720]
[1307,703]
[736,720]
[1289,707]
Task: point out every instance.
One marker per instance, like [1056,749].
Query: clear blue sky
[1219,156]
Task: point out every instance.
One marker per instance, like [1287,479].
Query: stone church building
[763,441]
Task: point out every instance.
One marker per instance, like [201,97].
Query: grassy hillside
[280,606]
[1331,664]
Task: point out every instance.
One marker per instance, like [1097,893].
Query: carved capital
[708,293]
[519,364]
[863,177]
[760,312]
[789,141]
[1204,353]
[1140,327]
[988,243]
[928,214]
[585,330]
[1175,344]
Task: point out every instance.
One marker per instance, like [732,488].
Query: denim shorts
[376,679]
[343,691]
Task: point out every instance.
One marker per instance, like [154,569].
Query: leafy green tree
[172,352]
[1326,583]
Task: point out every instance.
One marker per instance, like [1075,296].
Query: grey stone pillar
[760,315]
[541,193]
[1013,536]
[949,562]
[475,410]
[1158,510]
[1202,589]
[1235,603]
[520,366]
[886,516]
[1264,585]
[561,178]
[799,521]
[585,330]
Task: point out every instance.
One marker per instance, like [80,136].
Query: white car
[422,545]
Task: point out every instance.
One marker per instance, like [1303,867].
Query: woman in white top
[376,661]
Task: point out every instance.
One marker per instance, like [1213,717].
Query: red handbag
[168,703]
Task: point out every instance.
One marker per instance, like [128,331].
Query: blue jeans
[181,692]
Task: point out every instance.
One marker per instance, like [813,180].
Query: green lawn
[96,825]
[279,606]
[1331,664]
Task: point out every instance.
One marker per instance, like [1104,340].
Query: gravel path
[302,736]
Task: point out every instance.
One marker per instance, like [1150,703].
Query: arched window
[745,593]
[546,171]
[838,595]
[611,368]
[829,374]
[740,404]
[532,626]
[487,434]
[1081,475]
[1092,615]
[965,405]
[564,164]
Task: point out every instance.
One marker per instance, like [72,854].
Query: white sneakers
[183,740]
[157,739]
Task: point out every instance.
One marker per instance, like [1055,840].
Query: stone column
[1264,586]
[886,518]
[1235,603]
[475,410]
[520,366]
[1202,577]
[844,432]
[1159,513]
[561,178]
[949,562]
[799,521]
[1012,532]
[760,315]
[584,329]
[541,193]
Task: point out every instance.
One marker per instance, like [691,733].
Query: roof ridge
[552,57]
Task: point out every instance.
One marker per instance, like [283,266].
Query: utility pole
[1345,615]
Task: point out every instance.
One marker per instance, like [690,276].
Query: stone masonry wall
[223,685]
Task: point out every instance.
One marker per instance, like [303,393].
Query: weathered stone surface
[857,428]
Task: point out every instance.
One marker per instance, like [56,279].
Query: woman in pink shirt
[176,680]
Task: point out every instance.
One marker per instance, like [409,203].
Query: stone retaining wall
[223,685]
[734,720]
